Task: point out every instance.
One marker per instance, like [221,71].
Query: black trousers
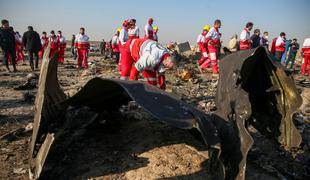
[279,55]
[7,53]
[31,54]
[73,52]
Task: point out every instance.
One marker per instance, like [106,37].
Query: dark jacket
[294,47]
[72,41]
[7,39]
[32,41]
[256,41]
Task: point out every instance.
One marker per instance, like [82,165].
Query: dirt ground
[136,147]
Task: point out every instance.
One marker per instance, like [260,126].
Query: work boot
[14,68]
[31,66]
[7,68]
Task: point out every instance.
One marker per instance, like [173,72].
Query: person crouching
[151,59]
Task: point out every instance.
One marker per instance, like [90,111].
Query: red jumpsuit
[214,43]
[62,47]
[54,45]
[279,48]
[306,60]
[273,46]
[44,42]
[19,48]
[151,68]
[82,45]
[202,45]
[133,33]
[245,40]
[115,49]
[125,62]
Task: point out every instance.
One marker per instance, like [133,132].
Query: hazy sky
[178,20]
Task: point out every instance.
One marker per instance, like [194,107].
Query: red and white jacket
[18,39]
[245,40]
[148,30]
[114,44]
[62,41]
[148,55]
[53,40]
[201,42]
[213,39]
[81,41]
[123,36]
[133,33]
[44,41]
[306,47]
[280,44]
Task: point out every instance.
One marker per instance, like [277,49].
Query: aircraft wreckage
[252,90]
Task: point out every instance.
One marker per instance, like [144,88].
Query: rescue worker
[280,46]
[54,44]
[151,59]
[148,29]
[213,39]
[82,46]
[44,42]
[202,45]
[115,46]
[255,38]
[7,43]
[233,43]
[273,46]
[264,40]
[19,47]
[125,62]
[245,38]
[62,46]
[133,31]
[155,31]
[32,44]
[305,50]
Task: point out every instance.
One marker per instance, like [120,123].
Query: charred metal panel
[251,90]
[48,111]
[260,92]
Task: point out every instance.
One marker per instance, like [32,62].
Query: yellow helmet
[119,29]
[206,27]
[155,28]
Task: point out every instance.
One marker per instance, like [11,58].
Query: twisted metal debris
[252,90]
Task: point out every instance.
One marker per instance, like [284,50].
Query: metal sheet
[249,82]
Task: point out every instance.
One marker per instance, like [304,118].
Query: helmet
[206,27]
[119,29]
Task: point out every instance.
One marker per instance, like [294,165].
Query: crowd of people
[284,50]
[135,54]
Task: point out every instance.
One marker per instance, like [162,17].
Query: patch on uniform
[212,56]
